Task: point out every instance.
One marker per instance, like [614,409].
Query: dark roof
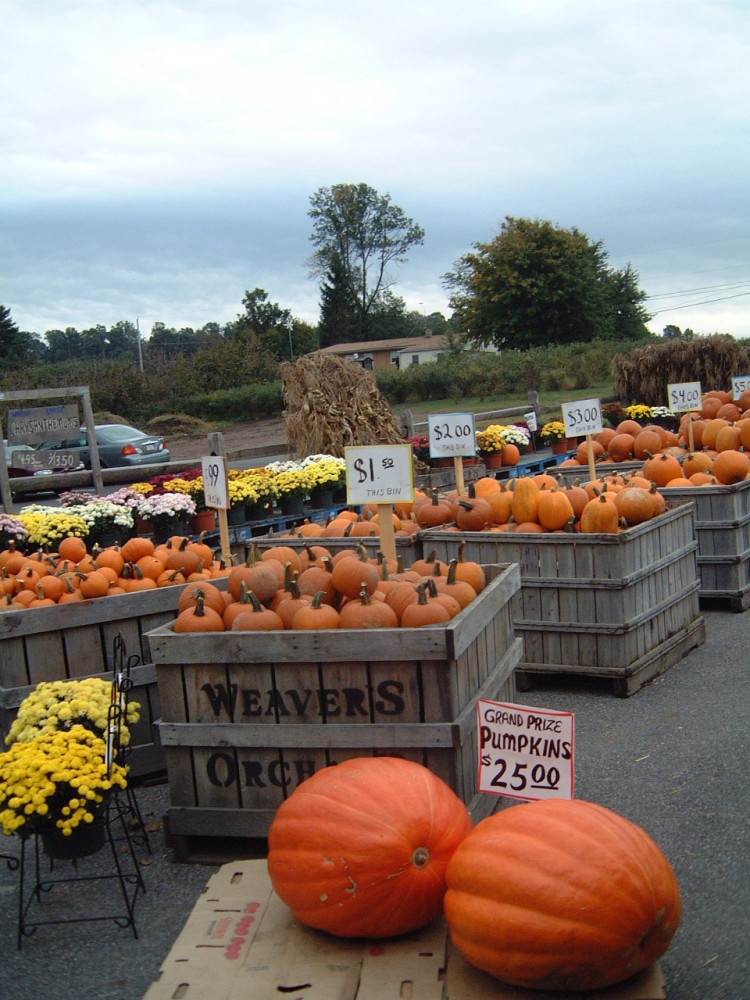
[416,342]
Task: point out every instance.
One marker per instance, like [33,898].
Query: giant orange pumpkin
[360,848]
[561,894]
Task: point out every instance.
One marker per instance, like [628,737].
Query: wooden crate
[247,716]
[622,607]
[76,640]
[241,941]
[722,530]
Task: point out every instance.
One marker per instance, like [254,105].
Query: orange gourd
[600,515]
[198,619]
[561,895]
[385,826]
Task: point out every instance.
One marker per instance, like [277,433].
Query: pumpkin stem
[420,857]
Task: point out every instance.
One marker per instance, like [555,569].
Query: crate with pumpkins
[609,582]
[315,656]
[64,606]
[706,463]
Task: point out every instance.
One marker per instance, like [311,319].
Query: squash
[360,849]
[561,894]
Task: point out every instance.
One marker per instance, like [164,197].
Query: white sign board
[451,434]
[582,417]
[740,384]
[524,752]
[683,396]
[379,474]
[530,419]
[215,481]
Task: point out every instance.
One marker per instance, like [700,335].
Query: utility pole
[138,341]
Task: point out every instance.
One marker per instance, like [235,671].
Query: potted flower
[325,472]
[167,513]
[47,526]
[292,486]
[57,772]
[490,443]
[56,785]
[12,531]
[190,483]
[639,412]
[553,435]
[59,705]
[108,523]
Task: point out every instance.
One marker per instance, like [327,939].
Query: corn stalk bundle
[645,375]
[332,404]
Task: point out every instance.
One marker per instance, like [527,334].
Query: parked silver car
[119,445]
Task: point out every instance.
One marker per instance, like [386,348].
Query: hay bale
[645,375]
[331,404]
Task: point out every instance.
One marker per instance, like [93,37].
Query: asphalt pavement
[673,758]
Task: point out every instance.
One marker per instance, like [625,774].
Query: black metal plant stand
[38,905]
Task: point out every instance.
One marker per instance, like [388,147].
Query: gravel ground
[673,758]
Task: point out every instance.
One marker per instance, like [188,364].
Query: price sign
[524,753]
[740,384]
[451,434]
[62,461]
[683,396]
[379,474]
[530,419]
[582,417]
[215,481]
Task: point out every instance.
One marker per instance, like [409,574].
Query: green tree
[537,283]
[273,330]
[366,232]
[339,315]
[17,348]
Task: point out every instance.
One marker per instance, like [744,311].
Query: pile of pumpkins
[72,573]
[557,894]
[541,503]
[711,446]
[315,589]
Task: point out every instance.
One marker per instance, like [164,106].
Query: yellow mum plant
[60,705]
[58,779]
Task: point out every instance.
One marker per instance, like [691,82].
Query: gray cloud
[158,157]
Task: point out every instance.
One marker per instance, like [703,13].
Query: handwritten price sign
[525,753]
[582,417]
[740,384]
[379,474]
[683,396]
[451,434]
[214,481]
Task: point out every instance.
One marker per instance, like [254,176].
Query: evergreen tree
[339,315]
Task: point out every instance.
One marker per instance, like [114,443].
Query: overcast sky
[157,158]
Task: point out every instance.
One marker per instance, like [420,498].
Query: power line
[699,288]
[703,302]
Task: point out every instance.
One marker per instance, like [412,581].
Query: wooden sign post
[216,489]
[452,436]
[383,475]
[584,417]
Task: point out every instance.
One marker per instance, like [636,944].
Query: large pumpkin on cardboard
[360,848]
[561,894]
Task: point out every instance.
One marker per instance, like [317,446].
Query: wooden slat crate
[622,607]
[722,530]
[68,641]
[247,716]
